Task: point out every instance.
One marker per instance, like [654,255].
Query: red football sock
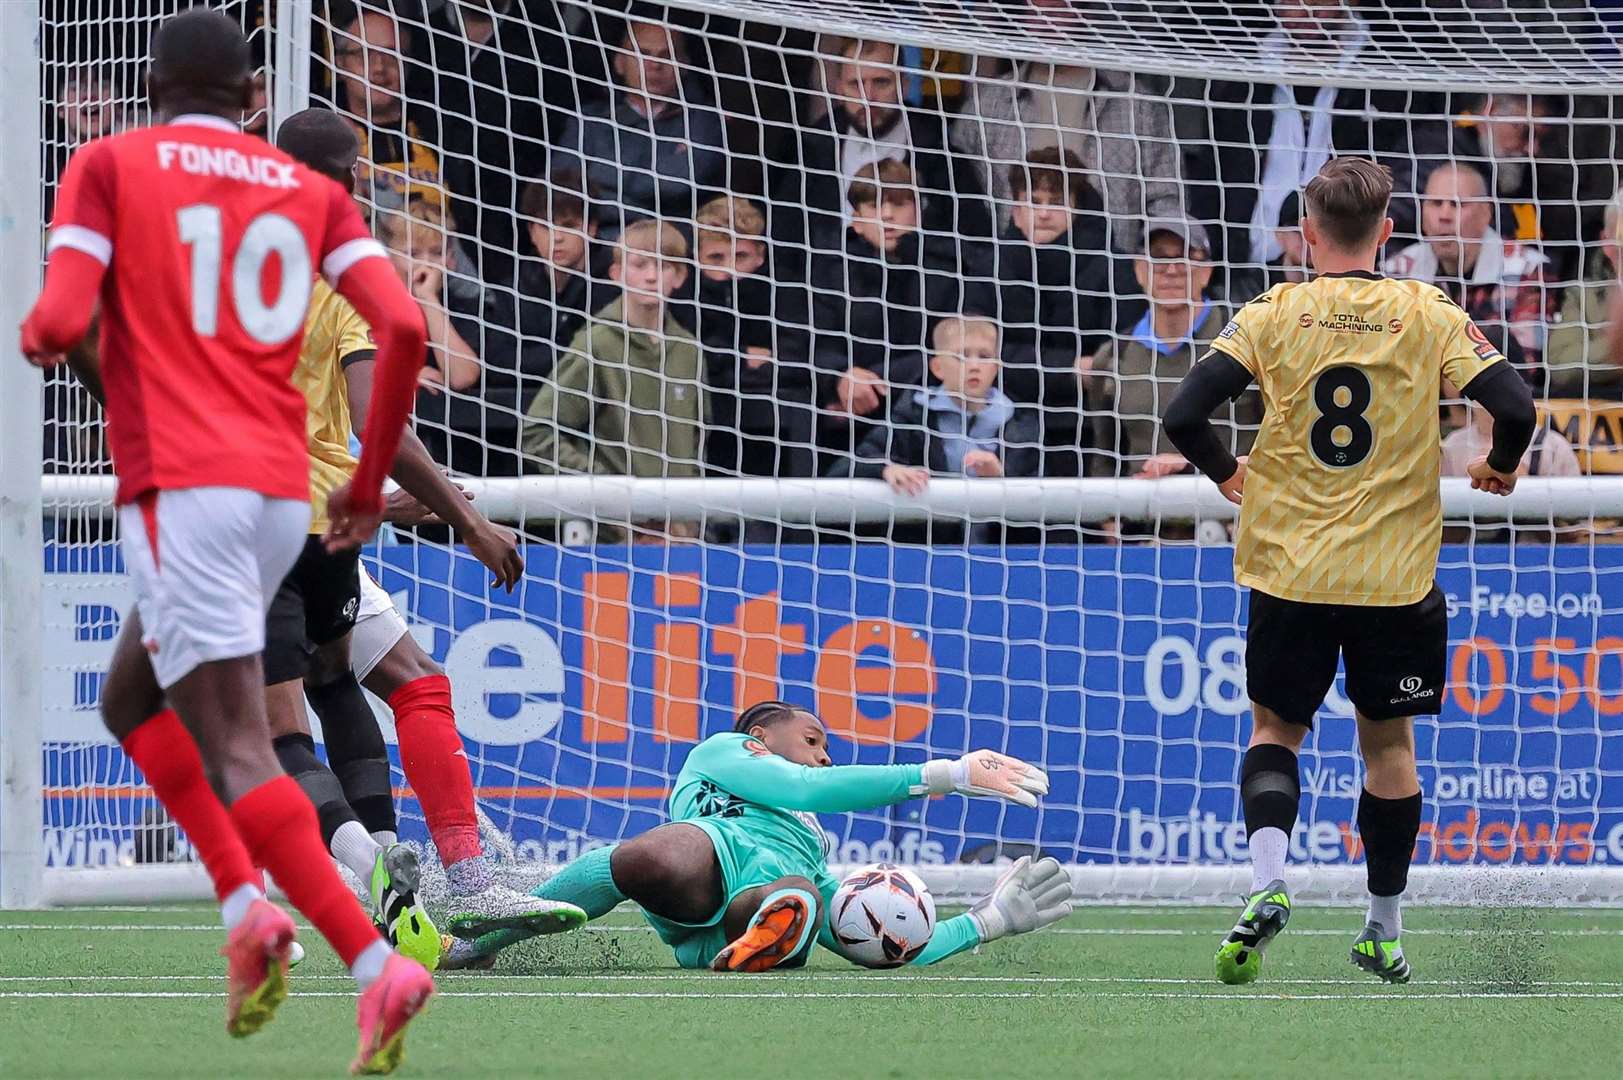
[169,759]
[436,766]
[278,825]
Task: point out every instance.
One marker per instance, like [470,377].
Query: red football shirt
[211,238]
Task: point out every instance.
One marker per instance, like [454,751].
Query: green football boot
[1239,958]
[1380,955]
[395,879]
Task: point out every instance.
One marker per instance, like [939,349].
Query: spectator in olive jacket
[627,398]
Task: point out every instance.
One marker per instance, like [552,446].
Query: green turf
[1122,992]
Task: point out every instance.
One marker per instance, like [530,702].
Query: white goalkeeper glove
[1029,896]
[986,772]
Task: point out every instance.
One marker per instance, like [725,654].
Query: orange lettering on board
[1460,676]
[1495,842]
[1457,840]
[1581,846]
[1608,699]
[676,682]
[676,661]
[605,658]
[905,667]
[1537,846]
[756,641]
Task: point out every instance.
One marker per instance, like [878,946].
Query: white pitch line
[1143,931]
[1235,998]
[1088,931]
[853,976]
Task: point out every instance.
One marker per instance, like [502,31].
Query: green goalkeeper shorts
[746,863]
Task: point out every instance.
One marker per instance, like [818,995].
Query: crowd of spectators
[644,250]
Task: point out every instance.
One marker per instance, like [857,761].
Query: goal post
[1089,623]
[21,568]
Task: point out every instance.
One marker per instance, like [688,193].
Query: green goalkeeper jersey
[733,776]
[736,776]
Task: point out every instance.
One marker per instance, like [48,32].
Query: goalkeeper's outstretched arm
[743,766]
[1028,896]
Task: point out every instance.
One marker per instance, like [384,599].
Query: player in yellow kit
[1340,527]
[308,646]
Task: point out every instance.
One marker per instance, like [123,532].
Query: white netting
[1089,621]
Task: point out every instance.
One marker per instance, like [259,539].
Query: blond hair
[729,216]
[400,230]
[653,238]
[966,326]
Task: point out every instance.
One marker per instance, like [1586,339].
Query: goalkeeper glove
[986,772]
[1029,896]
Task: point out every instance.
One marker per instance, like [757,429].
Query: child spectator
[475,351]
[626,398]
[560,286]
[1129,383]
[756,343]
[964,426]
[1060,292]
[872,305]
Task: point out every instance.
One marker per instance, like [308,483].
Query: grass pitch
[137,992]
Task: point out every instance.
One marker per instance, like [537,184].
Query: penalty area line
[789,995]
[854,976]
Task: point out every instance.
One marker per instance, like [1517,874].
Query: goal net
[867,418]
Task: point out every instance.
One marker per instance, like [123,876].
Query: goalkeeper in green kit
[738,879]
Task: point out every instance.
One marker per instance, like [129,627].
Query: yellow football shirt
[332,331]
[1341,493]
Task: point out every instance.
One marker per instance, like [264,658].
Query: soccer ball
[883,916]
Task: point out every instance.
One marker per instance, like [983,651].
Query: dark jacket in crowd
[928,429]
[647,166]
[475,430]
[1536,200]
[1058,301]
[550,320]
[761,413]
[876,311]
[1364,122]
[809,208]
[498,109]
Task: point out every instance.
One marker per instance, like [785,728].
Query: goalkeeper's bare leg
[672,872]
[1388,822]
[1270,793]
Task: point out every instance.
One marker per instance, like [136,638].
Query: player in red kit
[200,243]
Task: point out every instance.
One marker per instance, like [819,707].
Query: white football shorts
[378,625]
[205,563]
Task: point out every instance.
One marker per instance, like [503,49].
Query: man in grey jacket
[1118,125]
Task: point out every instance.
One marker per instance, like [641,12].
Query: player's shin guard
[356,752]
[1270,793]
[1388,828]
[279,828]
[169,759]
[436,766]
[349,841]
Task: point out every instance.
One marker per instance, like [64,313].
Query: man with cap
[1128,383]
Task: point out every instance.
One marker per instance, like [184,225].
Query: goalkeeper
[738,879]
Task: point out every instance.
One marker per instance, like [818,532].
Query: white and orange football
[883,916]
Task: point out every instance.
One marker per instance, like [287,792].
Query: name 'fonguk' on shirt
[227,164]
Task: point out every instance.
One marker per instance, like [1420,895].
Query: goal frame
[26,492]
[22,569]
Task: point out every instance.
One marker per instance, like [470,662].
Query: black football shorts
[1396,657]
[315,605]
